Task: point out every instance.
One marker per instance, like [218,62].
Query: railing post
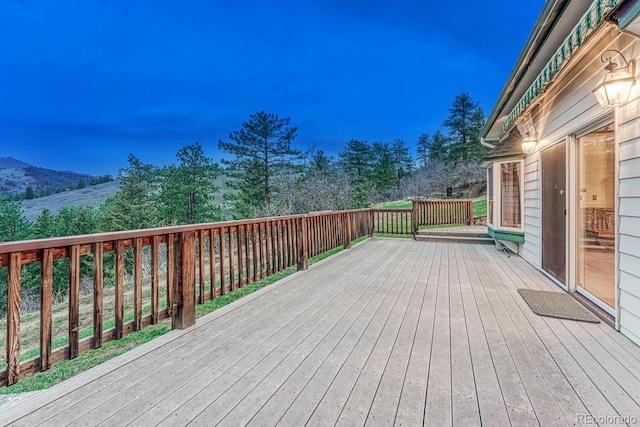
[303,243]
[186,280]
[470,212]
[347,230]
[414,218]
[372,224]
[13,319]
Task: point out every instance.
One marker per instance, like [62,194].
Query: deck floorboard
[390,332]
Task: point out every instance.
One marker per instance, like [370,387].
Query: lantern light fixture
[614,88]
[529,141]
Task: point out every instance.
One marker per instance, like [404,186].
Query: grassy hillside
[16,176]
[94,195]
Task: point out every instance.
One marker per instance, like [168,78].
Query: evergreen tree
[13,224]
[422,148]
[402,159]
[384,169]
[320,162]
[187,191]
[132,207]
[359,198]
[261,151]
[29,193]
[44,227]
[81,185]
[438,146]
[464,123]
[357,159]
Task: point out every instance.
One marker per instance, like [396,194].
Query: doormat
[557,304]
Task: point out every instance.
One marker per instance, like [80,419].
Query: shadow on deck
[392,331]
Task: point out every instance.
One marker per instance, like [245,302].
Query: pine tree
[29,193]
[13,224]
[44,227]
[132,207]
[464,123]
[384,169]
[187,191]
[438,146]
[402,160]
[261,151]
[422,148]
[357,159]
[320,162]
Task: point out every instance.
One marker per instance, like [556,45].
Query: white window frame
[497,195]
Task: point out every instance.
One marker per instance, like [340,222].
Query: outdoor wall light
[529,141]
[615,87]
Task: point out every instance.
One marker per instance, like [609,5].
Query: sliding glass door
[596,215]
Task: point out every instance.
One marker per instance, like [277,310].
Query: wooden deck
[392,331]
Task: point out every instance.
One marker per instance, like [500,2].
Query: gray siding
[629,219]
[531,247]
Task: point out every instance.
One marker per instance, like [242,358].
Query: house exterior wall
[567,108]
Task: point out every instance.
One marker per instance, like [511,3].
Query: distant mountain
[10,162]
[16,176]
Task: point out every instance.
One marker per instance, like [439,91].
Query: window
[510,209]
[490,195]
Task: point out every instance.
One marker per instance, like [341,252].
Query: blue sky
[84,83]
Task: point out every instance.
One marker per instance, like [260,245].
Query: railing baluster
[171,273]
[287,225]
[254,249]
[232,267]
[201,268]
[98,293]
[46,305]
[137,284]
[74,301]
[119,295]
[273,229]
[247,257]
[155,276]
[240,250]
[13,319]
[212,262]
[223,274]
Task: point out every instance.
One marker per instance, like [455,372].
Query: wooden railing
[134,279]
[442,212]
[199,263]
[393,221]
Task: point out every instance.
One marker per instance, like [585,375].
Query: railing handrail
[56,242]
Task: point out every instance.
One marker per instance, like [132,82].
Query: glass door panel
[596,215]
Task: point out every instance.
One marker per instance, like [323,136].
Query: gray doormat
[557,304]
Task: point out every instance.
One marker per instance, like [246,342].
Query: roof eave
[543,26]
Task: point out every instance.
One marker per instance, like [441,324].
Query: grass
[68,368]
[480,207]
[398,204]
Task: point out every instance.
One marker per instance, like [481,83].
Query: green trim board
[510,236]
